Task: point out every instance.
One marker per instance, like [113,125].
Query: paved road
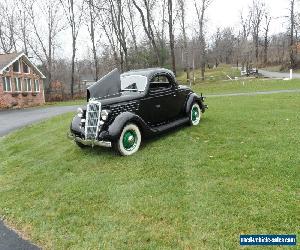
[278,74]
[11,120]
[9,240]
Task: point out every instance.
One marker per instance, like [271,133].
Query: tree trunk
[92,35]
[73,67]
[171,35]
[292,20]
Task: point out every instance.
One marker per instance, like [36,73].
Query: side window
[27,84]
[6,84]
[16,66]
[160,82]
[26,68]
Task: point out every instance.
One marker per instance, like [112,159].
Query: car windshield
[133,83]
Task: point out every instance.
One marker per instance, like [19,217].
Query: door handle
[157,106]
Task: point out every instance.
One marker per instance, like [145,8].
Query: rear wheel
[195,114]
[130,140]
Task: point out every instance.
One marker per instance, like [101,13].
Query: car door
[153,103]
[162,90]
[173,102]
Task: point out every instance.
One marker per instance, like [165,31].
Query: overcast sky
[221,13]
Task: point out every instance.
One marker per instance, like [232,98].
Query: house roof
[8,59]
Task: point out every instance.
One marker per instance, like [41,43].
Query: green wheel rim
[195,114]
[129,140]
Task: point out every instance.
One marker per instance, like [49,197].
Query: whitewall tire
[130,140]
[195,114]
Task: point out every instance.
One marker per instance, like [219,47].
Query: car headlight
[79,112]
[104,115]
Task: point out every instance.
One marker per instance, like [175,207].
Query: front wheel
[195,114]
[130,140]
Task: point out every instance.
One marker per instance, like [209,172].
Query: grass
[66,103]
[244,86]
[212,75]
[217,82]
[193,188]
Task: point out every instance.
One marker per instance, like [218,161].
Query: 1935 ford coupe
[123,109]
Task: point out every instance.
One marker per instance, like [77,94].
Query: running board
[170,125]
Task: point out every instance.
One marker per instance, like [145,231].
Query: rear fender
[194,98]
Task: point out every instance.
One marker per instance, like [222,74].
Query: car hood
[109,84]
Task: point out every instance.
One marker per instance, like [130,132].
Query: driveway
[278,74]
[11,120]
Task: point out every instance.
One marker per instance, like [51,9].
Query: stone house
[21,82]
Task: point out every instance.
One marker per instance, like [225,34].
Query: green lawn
[193,188]
[66,103]
[217,82]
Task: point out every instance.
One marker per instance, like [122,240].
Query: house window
[16,66]
[17,84]
[27,84]
[6,84]
[36,86]
[26,68]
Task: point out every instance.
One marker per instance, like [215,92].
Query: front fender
[115,129]
[75,126]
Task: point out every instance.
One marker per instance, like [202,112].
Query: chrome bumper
[89,142]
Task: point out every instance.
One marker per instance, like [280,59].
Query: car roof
[149,72]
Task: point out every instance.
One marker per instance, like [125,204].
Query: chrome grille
[92,120]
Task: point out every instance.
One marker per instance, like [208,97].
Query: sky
[220,14]
[227,13]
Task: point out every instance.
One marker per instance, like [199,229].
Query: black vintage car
[123,109]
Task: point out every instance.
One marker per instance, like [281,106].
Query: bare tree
[22,31]
[106,24]
[267,21]
[92,15]
[7,28]
[200,10]
[181,4]
[243,44]
[74,14]
[117,19]
[246,24]
[131,23]
[257,9]
[292,28]
[41,41]
[147,25]
[171,34]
